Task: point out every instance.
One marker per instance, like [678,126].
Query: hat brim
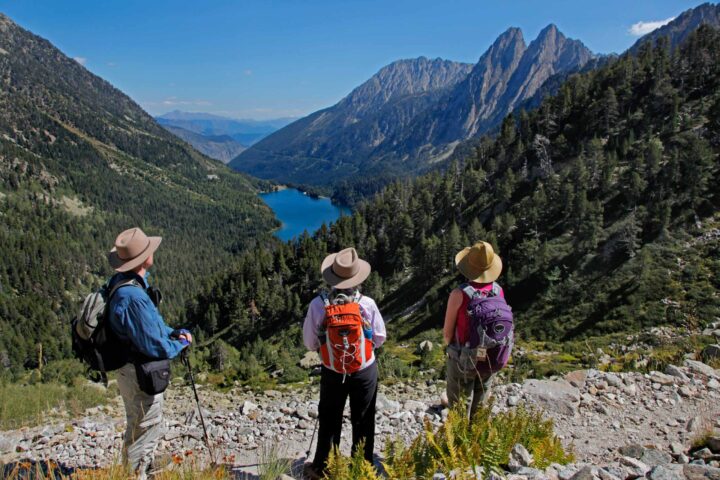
[340,282]
[475,275]
[120,265]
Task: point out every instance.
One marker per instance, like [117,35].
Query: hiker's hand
[187,336]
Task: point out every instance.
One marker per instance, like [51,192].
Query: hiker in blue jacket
[136,321]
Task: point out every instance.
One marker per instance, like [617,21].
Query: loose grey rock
[711,352]
[653,456]
[585,473]
[700,367]
[674,371]
[310,360]
[666,472]
[414,405]
[633,450]
[385,405]
[519,457]
[529,473]
[577,378]
[693,424]
[636,468]
[701,472]
[713,443]
[613,380]
[553,395]
[661,378]
[703,454]
[677,448]
[248,407]
[605,475]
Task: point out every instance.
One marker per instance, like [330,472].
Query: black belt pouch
[154,376]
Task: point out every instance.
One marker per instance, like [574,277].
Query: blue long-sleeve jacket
[135,320]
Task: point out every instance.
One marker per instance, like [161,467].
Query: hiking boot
[311,472]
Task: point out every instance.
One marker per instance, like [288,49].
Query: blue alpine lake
[299,212]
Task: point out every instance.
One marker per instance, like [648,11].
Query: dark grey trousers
[466,384]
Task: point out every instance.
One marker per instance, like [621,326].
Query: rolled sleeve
[147,330]
[377,322]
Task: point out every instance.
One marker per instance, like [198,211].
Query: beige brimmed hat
[132,248]
[479,263]
[344,269]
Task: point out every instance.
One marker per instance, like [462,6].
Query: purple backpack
[491,329]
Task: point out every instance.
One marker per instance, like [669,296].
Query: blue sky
[274,58]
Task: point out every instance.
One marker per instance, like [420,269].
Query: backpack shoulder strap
[324,297]
[495,290]
[470,291]
[131,282]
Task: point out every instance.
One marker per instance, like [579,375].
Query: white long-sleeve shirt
[316,316]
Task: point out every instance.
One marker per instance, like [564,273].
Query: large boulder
[577,378]
[553,395]
[310,360]
[701,368]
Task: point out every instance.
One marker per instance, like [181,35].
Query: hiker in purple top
[478,329]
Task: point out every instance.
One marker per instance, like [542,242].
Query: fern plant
[462,446]
[354,468]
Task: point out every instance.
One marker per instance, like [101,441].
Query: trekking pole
[317,420]
[185,357]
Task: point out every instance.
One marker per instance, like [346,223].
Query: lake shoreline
[299,211]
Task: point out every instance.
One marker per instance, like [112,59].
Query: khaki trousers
[465,384]
[145,425]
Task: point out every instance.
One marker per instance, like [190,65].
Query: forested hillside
[79,162]
[603,203]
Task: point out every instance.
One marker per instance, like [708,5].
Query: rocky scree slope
[620,425]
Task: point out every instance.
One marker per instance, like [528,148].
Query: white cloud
[111,64]
[80,60]
[641,28]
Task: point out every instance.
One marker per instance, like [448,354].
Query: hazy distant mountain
[219,147]
[245,131]
[412,113]
[680,28]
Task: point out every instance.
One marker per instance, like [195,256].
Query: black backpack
[93,339]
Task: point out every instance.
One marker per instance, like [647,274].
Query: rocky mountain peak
[404,77]
[415,111]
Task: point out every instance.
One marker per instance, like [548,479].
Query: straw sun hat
[479,263]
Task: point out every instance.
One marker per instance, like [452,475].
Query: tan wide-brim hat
[132,248]
[479,263]
[344,269]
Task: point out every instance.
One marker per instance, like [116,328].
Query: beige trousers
[145,425]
